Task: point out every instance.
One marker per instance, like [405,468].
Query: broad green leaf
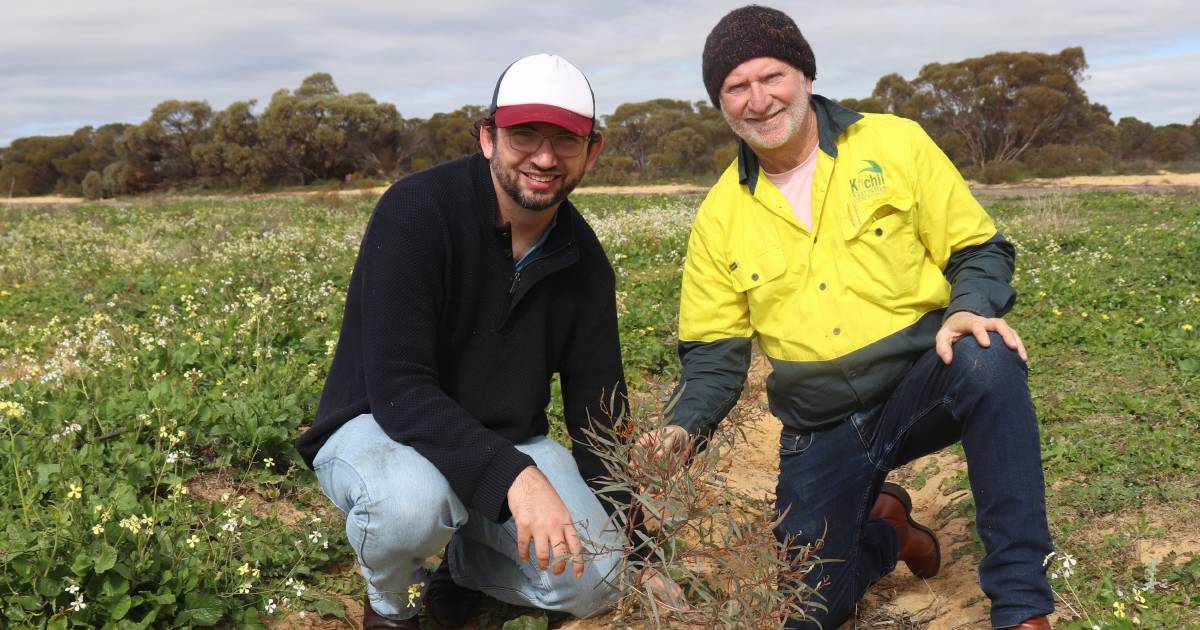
[203,609]
[527,622]
[44,471]
[112,585]
[120,608]
[330,607]
[106,558]
[82,564]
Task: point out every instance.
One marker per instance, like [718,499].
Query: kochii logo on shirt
[868,183]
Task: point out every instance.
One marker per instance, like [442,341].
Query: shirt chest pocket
[884,254]
[761,277]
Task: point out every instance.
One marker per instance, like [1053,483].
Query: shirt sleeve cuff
[491,496]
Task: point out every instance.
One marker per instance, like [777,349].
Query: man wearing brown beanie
[849,246]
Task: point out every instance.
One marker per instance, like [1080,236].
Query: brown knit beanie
[749,32]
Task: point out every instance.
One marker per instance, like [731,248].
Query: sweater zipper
[516,282]
[515,286]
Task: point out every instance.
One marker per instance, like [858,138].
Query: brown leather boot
[1037,623]
[919,547]
[375,621]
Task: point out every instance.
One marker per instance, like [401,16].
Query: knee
[978,366]
[426,526]
[417,522]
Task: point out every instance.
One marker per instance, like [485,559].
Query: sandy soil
[48,200]
[1161,180]
[952,600]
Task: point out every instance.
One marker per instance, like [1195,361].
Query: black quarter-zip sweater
[453,352]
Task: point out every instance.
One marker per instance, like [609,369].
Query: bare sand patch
[659,189]
[46,200]
[218,487]
[1161,178]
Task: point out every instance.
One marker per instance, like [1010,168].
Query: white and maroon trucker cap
[544,88]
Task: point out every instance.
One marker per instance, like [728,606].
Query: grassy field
[157,359]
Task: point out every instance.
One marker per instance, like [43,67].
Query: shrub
[999,172]
[93,186]
[1060,160]
[717,544]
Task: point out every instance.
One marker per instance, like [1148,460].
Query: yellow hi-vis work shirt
[841,310]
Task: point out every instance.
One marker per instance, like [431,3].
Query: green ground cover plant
[157,359]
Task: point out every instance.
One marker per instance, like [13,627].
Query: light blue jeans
[400,510]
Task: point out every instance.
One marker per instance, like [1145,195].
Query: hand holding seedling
[963,323]
[660,586]
[668,444]
[541,516]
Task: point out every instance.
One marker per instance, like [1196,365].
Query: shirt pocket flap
[752,271]
[864,219]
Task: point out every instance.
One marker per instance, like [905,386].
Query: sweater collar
[832,121]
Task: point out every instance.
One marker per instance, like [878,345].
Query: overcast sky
[66,64]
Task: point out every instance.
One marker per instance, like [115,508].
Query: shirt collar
[532,254]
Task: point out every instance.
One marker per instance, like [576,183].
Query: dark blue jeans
[829,480]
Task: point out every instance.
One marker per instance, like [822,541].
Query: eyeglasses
[526,140]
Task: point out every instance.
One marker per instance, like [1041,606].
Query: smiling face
[539,179]
[765,102]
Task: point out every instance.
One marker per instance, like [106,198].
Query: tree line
[1007,114]
[998,117]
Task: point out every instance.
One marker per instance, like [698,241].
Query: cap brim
[511,115]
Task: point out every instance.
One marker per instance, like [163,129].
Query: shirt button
[878,231]
[822,286]
[837,331]
[754,276]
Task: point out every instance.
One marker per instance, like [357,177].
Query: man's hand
[670,443]
[541,516]
[662,588]
[963,323]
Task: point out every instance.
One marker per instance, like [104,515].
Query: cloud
[1160,90]
[70,63]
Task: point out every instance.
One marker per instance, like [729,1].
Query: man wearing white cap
[476,282]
